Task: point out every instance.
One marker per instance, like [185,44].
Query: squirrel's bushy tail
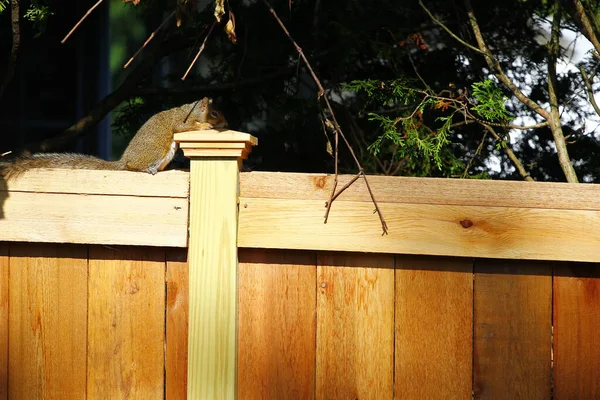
[19,165]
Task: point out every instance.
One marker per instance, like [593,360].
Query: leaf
[219,9]
[230,28]
[329,148]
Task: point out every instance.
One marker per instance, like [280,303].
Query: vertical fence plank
[434,328]
[513,305]
[126,329]
[47,321]
[355,326]
[277,300]
[177,324]
[577,331]
[3,321]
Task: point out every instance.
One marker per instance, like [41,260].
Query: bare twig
[590,91]
[346,186]
[199,51]
[16,44]
[477,152]
[338,129]
[109,102]
[148,40]
[444,27]
[92,8]
[511,154]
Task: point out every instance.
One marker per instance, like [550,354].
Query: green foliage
[490,101]
[38,15]
[405,134]
[3,5]
[387,93]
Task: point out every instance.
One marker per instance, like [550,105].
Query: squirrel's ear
[204,104]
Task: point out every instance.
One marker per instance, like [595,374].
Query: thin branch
[555,125]
[444,27]
[508,126]
[590,90]
[199,51]
[511,154]
[497,68]
[586,25]
[148,40]
[217,87]
[92,8]
[346,186]
[109,102]
[16,44]
[338,129]
[377,210]
[477,152]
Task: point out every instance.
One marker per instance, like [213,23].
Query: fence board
[576,331]
[177,324]
[434,328]
[4,321]
[87,181]
[277,300]
[47,321]
[463,231]
[355,326]
[396,189]
[126,323]
[512,313]
[67,218]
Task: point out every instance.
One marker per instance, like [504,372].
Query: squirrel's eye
[214,114]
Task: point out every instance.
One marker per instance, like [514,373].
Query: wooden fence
[484,289]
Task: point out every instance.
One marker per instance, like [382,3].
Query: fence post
[212,342]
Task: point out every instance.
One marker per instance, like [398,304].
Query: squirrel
[150,150]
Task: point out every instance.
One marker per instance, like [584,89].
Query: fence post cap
[216,143]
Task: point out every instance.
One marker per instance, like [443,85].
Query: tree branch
[338,129]
[589,89]
[444,27]
[16,44]
[511,154]
[497,68]
[582,21]
[92,8]
[217,87]
[111,101]
[149,39]
[555,125]
[199,51]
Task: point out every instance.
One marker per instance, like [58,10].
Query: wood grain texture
[576,331]
[355,326]
[126,323]
[513,317]
[177,324]
[4,262]
[388,189]
[101,219]
[47,321]
[212,261]
[434,328]
[122,183]
[277,300]
[469,231]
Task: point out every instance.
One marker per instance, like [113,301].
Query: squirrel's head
[209,114]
